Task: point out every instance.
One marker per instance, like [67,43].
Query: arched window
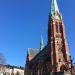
[58,27]
[61,28]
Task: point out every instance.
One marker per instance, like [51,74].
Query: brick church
[54,58]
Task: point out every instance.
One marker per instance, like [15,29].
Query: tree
[2,59]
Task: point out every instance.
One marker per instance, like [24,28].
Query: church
[53,58]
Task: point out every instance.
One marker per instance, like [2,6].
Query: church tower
[57,39]
[53,58]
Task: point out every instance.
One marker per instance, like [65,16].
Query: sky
[23,21]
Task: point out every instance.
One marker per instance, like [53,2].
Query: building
[54,58]
[11,70]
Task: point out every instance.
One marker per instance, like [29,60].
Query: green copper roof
[32,52]
[55,9]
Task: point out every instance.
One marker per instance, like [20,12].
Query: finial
[41,43]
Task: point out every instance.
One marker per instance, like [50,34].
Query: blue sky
[23,21]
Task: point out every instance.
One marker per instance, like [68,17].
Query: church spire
[41,43]
[55,9]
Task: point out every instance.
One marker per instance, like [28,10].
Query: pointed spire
[55,9]
[41,43]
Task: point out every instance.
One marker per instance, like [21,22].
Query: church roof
[33,52]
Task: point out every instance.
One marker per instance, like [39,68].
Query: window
[58,27]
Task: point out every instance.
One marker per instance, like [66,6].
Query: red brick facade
[55,56]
